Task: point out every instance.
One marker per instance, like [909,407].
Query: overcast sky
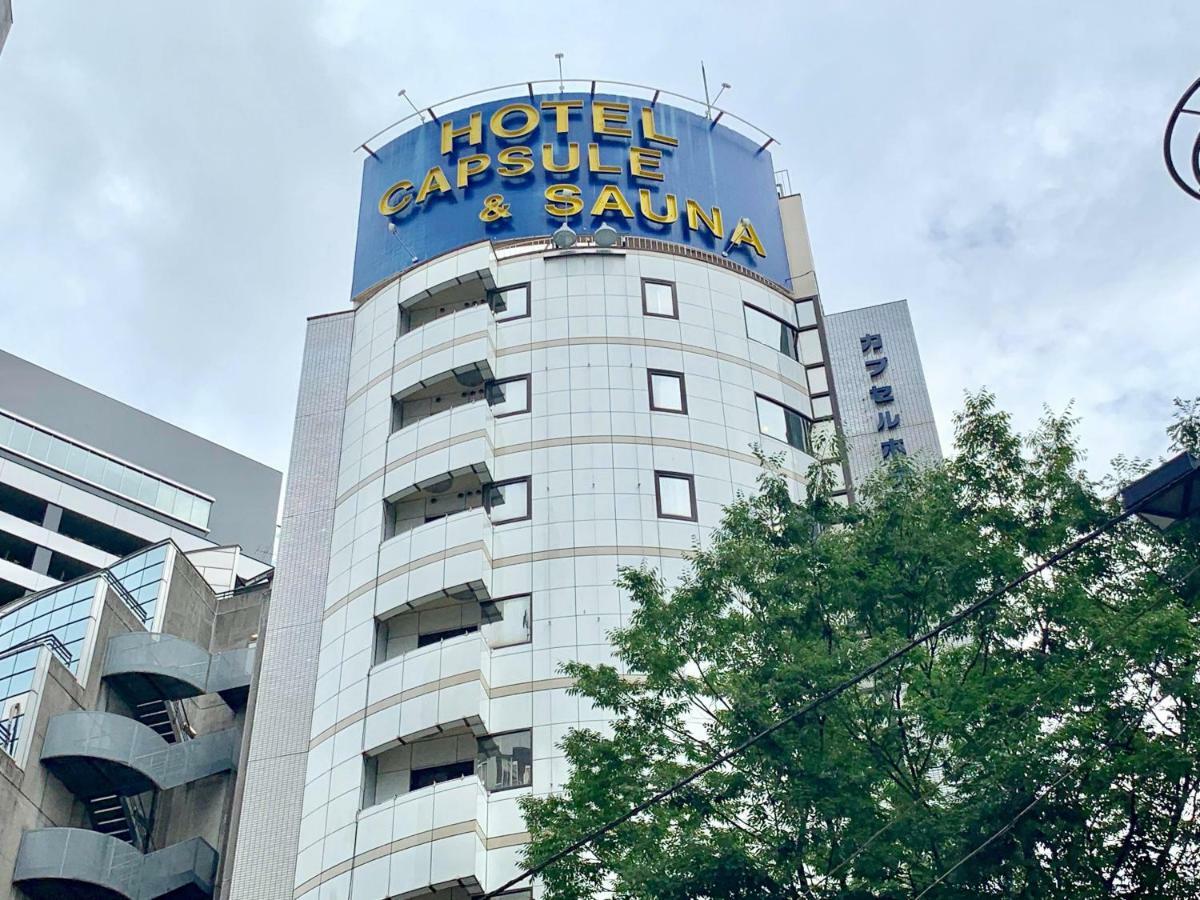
[178,190]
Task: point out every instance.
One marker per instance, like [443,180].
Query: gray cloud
[179,191]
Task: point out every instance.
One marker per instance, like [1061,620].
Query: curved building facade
[483,440]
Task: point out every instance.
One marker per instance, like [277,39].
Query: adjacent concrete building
[86,480]
[134,578]
[123,698]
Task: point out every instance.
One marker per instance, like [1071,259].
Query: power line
[1040,795]
[829,695]
[1131,621]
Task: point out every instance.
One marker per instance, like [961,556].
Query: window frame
[429,638]
[482,624]
[528,514]
[500,734]
[413,772]
[684,476]
[795,332]
[808,423]
[650,373]
[674,299]
[504,290]
[528,378]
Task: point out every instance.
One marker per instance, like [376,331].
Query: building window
[675,493]
[510,303]
[765,328]
[658,299]
[420,778]
[509,396]
[507,621]
[505,761]
[508,501]
[436,637]
[667,391]
[783,423]
[114,476]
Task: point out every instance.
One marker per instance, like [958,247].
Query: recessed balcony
[451,440]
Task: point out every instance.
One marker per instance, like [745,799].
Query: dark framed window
[507,621]
[420,778]
[783,423]
[510,303]
[675,495]
[764,328]
[509,501]
[668,393]
[505,761]
[658,299]
[436,637]
[510,396]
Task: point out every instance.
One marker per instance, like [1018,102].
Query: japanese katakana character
[882,394]
[871,342]
[888,421]
[893,446]
[876,366]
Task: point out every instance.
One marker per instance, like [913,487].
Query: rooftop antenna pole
[559,57]
[404,93]
[707,102]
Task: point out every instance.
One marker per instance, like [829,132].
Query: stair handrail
[123,592]
[45,639]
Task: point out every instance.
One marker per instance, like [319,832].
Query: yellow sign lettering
[563,200]
[594,164]
[610,118]
[696,215]
[744,233]
[389,204]
[435,182]
[531,117]
[562,112]
[514,161]
[644,163]
[646,208]
[472,165]
[612,200]
[570,165]
[650,132]
[472,131]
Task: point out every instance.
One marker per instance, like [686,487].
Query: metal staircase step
[108,816]
[155,715]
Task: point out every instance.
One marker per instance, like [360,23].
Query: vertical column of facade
[266,836]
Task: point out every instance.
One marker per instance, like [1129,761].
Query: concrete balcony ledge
[161,666]
[98,753]
[451,342]
[74,862]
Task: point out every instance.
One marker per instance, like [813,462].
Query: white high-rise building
[500,421]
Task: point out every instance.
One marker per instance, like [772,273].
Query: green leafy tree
[1057,730]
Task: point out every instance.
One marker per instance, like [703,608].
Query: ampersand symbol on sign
[494,208]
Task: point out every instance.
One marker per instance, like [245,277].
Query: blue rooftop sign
[522,167]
